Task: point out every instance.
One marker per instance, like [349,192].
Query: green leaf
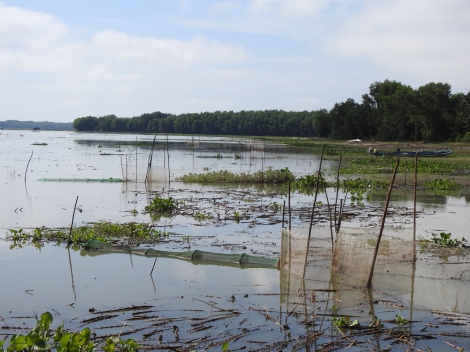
[46,320]
[225,346]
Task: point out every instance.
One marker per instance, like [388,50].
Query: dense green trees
[391,111]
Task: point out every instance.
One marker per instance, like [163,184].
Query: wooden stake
[369,282]
[313,209]
[337,185]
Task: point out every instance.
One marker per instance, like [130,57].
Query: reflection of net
[242,260]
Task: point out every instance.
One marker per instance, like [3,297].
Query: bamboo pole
[313,209]
[371,274]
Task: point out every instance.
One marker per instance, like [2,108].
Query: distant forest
[391,111]
[44,125]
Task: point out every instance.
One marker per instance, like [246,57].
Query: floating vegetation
[444,239]
[161,205]
[199,216]
[38,143]
[443,184]
[104,231]
[41,339]
[384,165]
[224,176]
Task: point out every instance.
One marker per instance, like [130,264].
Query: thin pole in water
[73,216]
[290,213]
[168,155]
[313,210]
[153,266]
[414,206]
[27,165]
[369,282]
[337,185]
[283,213]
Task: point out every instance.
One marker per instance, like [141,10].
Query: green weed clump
[103,231]
[385,165]
[444,239]
[161,205]
[42,338]
[443,184]
[224,176]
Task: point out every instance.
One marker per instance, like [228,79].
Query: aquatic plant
[345,322]
[161,205]
[400,320]
[102,230]
[41,339]
[224,176]
[444,239]
[443,184]
[202,216]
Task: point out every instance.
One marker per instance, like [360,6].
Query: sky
[60,60]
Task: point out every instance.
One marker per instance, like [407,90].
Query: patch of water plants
[161,205]
[103,231]
[43,338]
[267,176]
[443,184]
[385,165]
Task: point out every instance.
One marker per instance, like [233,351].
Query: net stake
[369,282]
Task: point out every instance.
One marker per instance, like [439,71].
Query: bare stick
[168,155]
[369,282]
[313,209]
[26,172]
[337,184]
[329,212]
[73,216]
[414,200]
[153,266]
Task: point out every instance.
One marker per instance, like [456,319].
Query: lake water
[70,283]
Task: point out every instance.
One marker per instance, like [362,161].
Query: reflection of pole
[313,209]
[283,213]
[71,275]
[371,274]
[371,305]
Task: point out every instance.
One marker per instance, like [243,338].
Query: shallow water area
[78,286]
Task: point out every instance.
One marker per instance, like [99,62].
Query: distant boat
[36,128]
[421,153]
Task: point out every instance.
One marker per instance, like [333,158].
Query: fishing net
[96,247]
[345,266]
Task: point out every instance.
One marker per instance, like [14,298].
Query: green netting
[243,260]
[82,179]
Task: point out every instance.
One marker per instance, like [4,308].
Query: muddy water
[72,282]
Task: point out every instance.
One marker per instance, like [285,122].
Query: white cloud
[163,53]
[289,8]
[421,37]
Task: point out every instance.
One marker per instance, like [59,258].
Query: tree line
[391,111]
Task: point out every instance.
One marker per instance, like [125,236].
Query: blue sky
[61,60]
